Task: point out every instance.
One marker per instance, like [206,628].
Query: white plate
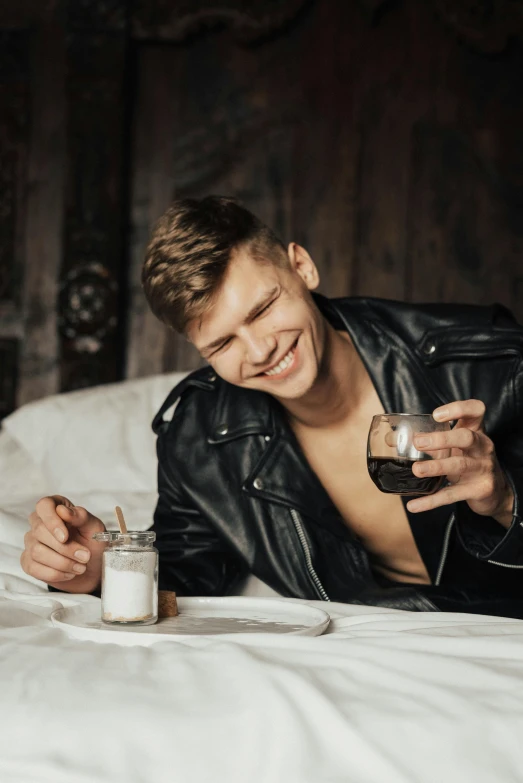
[198,617]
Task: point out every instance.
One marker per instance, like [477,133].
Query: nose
[259,348]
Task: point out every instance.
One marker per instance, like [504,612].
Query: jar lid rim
[113,536]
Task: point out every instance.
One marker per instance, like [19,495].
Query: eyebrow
[251,315]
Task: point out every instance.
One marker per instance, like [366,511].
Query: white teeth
[285,362]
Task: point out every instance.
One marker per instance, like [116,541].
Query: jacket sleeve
[194,558]
[483,537]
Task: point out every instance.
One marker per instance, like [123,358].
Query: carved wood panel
[253,21]
[14,139]
[486,25]
[31,197]
[91,313]
[15,66]
[8,375]
[43,231]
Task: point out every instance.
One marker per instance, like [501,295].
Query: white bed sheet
[384,697]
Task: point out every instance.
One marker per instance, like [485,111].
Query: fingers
[444,497]
[391,438]
[47,513]
[59,544]
[462,438]
[45,573]
[44,558]
[451,466]
[39,534]
[471,467]
[56,510]
[472,480]
[472,411]
[41,562]
[79,517]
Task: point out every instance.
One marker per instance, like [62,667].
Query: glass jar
[129,578]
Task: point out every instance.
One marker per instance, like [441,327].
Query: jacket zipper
[504,565]
[306,551]
[445,549]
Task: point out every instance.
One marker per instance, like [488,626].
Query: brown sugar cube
[167,605]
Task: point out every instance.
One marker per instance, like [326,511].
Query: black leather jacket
[236,494]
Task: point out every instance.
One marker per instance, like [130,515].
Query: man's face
[263,330]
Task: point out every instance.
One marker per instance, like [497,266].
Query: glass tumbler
[391,453]
[129,578]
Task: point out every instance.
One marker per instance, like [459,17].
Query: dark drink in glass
[396,476]
[391,453]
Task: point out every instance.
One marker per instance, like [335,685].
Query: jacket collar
[239,412]
[393,365]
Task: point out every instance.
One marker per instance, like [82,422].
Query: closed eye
[264,309]
[221,347]
[253,315]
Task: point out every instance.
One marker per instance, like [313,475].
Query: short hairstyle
[189,252]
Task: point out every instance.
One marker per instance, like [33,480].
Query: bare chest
[340,461]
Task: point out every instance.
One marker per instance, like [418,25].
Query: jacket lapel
[240,412]
[284,476]
[279,472]
[395,371]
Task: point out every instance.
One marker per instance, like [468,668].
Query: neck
[339,388]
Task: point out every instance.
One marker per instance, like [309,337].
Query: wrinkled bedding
[383,697]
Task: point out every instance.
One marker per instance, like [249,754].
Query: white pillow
[19,475]
[97,439]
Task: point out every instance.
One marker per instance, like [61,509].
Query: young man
[262,467]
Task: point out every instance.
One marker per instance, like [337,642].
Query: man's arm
[500,541]
[194,559]
[486,480]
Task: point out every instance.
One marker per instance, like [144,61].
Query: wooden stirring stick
[121,520]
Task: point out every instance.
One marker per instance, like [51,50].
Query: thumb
[80,518]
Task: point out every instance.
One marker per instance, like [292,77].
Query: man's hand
[59,547]
[472,469]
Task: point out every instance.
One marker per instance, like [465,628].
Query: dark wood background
[383,136]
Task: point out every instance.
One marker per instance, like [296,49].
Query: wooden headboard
[374,133]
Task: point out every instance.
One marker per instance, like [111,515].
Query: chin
[294,394]
[292,389]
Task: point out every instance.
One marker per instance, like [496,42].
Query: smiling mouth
[283,364]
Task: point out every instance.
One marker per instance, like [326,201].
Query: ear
[303,265]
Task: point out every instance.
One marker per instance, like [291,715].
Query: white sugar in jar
[129,578]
